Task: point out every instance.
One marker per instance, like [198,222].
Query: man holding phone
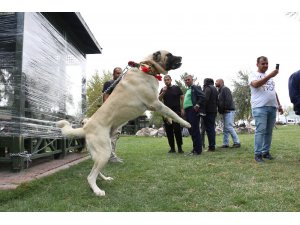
[264,103]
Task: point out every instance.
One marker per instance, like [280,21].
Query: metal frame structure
[16,148]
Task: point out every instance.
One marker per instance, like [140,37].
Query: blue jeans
[264,121]
[228,129]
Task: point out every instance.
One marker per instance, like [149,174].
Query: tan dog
[136,93]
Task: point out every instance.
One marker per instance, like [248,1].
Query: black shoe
[236,145]
[171,151]
[258,158]
[180,151]
[225,146]
[267,156]
[211,149]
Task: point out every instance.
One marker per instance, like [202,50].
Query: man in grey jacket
[227,109]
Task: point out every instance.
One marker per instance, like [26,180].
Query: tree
[156,119]
[294,15]
[94,91]
[242,96]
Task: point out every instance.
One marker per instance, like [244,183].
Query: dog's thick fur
[136,93]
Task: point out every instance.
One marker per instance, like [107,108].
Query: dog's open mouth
[176,65]
[173,62]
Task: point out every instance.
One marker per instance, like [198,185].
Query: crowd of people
[205,102]
[216,98]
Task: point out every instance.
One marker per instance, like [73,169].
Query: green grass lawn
[151,180]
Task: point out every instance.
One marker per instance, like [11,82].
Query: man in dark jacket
[227,109]
[294,91]
[194,107]
[172,96]
[211,96]
[107,90]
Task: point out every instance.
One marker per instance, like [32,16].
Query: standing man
[116,133]
[194,107]
[227,109]
[172,96]
[211,96]
[264,103]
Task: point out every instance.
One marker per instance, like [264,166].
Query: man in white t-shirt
[264,102]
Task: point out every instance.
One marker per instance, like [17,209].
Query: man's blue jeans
[228,129]
[265,118]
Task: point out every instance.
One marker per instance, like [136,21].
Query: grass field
[151,180]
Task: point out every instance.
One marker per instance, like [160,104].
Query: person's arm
[279,105]
[181,104]
[200,98]
[207,93]
[162,93]
[228,100]
[261,82]
[104,97]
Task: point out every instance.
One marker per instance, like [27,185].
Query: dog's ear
[157,56]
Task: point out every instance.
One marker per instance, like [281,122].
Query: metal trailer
[42,80]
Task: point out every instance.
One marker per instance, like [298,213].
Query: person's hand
[182,113]
[165,88]
[196,107]
[280,109]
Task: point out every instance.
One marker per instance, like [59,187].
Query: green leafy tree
[156,119]
[242,96]
[94,91]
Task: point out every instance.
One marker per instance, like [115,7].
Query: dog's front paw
[187,125]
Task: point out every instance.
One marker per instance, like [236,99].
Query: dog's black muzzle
[173,62]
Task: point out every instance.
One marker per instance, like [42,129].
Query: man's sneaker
[236,145]
[171,151]
[258,158]
[190,153]
[225,146]
[115,160]
[267,156]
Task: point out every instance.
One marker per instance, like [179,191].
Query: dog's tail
[68,131]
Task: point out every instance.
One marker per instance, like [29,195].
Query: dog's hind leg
[93,177]
[100,152]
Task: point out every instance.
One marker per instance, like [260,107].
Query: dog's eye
[156,56]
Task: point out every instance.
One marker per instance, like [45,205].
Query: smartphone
[277,67]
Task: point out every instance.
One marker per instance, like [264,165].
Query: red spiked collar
[146,67]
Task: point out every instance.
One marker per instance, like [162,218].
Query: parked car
[291,121]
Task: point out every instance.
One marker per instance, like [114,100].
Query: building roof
[76,30]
